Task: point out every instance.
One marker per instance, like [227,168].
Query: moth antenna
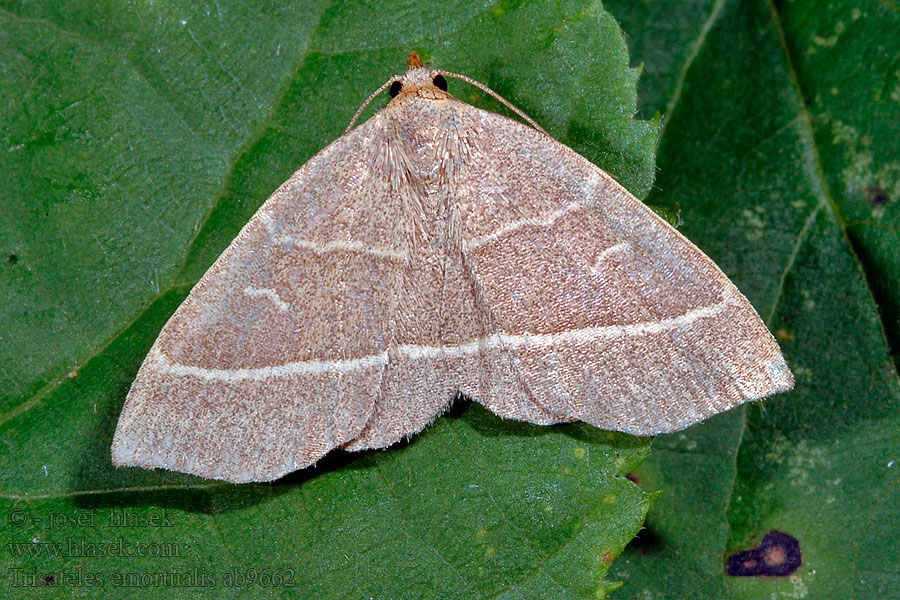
[497,96]
[368,100]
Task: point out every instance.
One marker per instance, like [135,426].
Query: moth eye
[439,82]
[395,88]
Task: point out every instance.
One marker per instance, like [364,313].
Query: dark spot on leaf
[876,196]
[777,555]
[49,580]
[12,259]
[634,478]
[607,558]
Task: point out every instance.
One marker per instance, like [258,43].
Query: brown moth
[439,248]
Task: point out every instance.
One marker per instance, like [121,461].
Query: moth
[440,249]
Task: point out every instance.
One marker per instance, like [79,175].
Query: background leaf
[139,138]
[138,143]
[780,147]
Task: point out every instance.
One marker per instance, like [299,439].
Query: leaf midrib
[696,47]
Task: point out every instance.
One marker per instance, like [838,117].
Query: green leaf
[782,122]
[139,138]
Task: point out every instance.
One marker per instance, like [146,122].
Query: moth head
[419,81]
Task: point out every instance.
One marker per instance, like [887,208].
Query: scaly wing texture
[612,316]
[279,352]
[416,386]
[440,323]
[419,381]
